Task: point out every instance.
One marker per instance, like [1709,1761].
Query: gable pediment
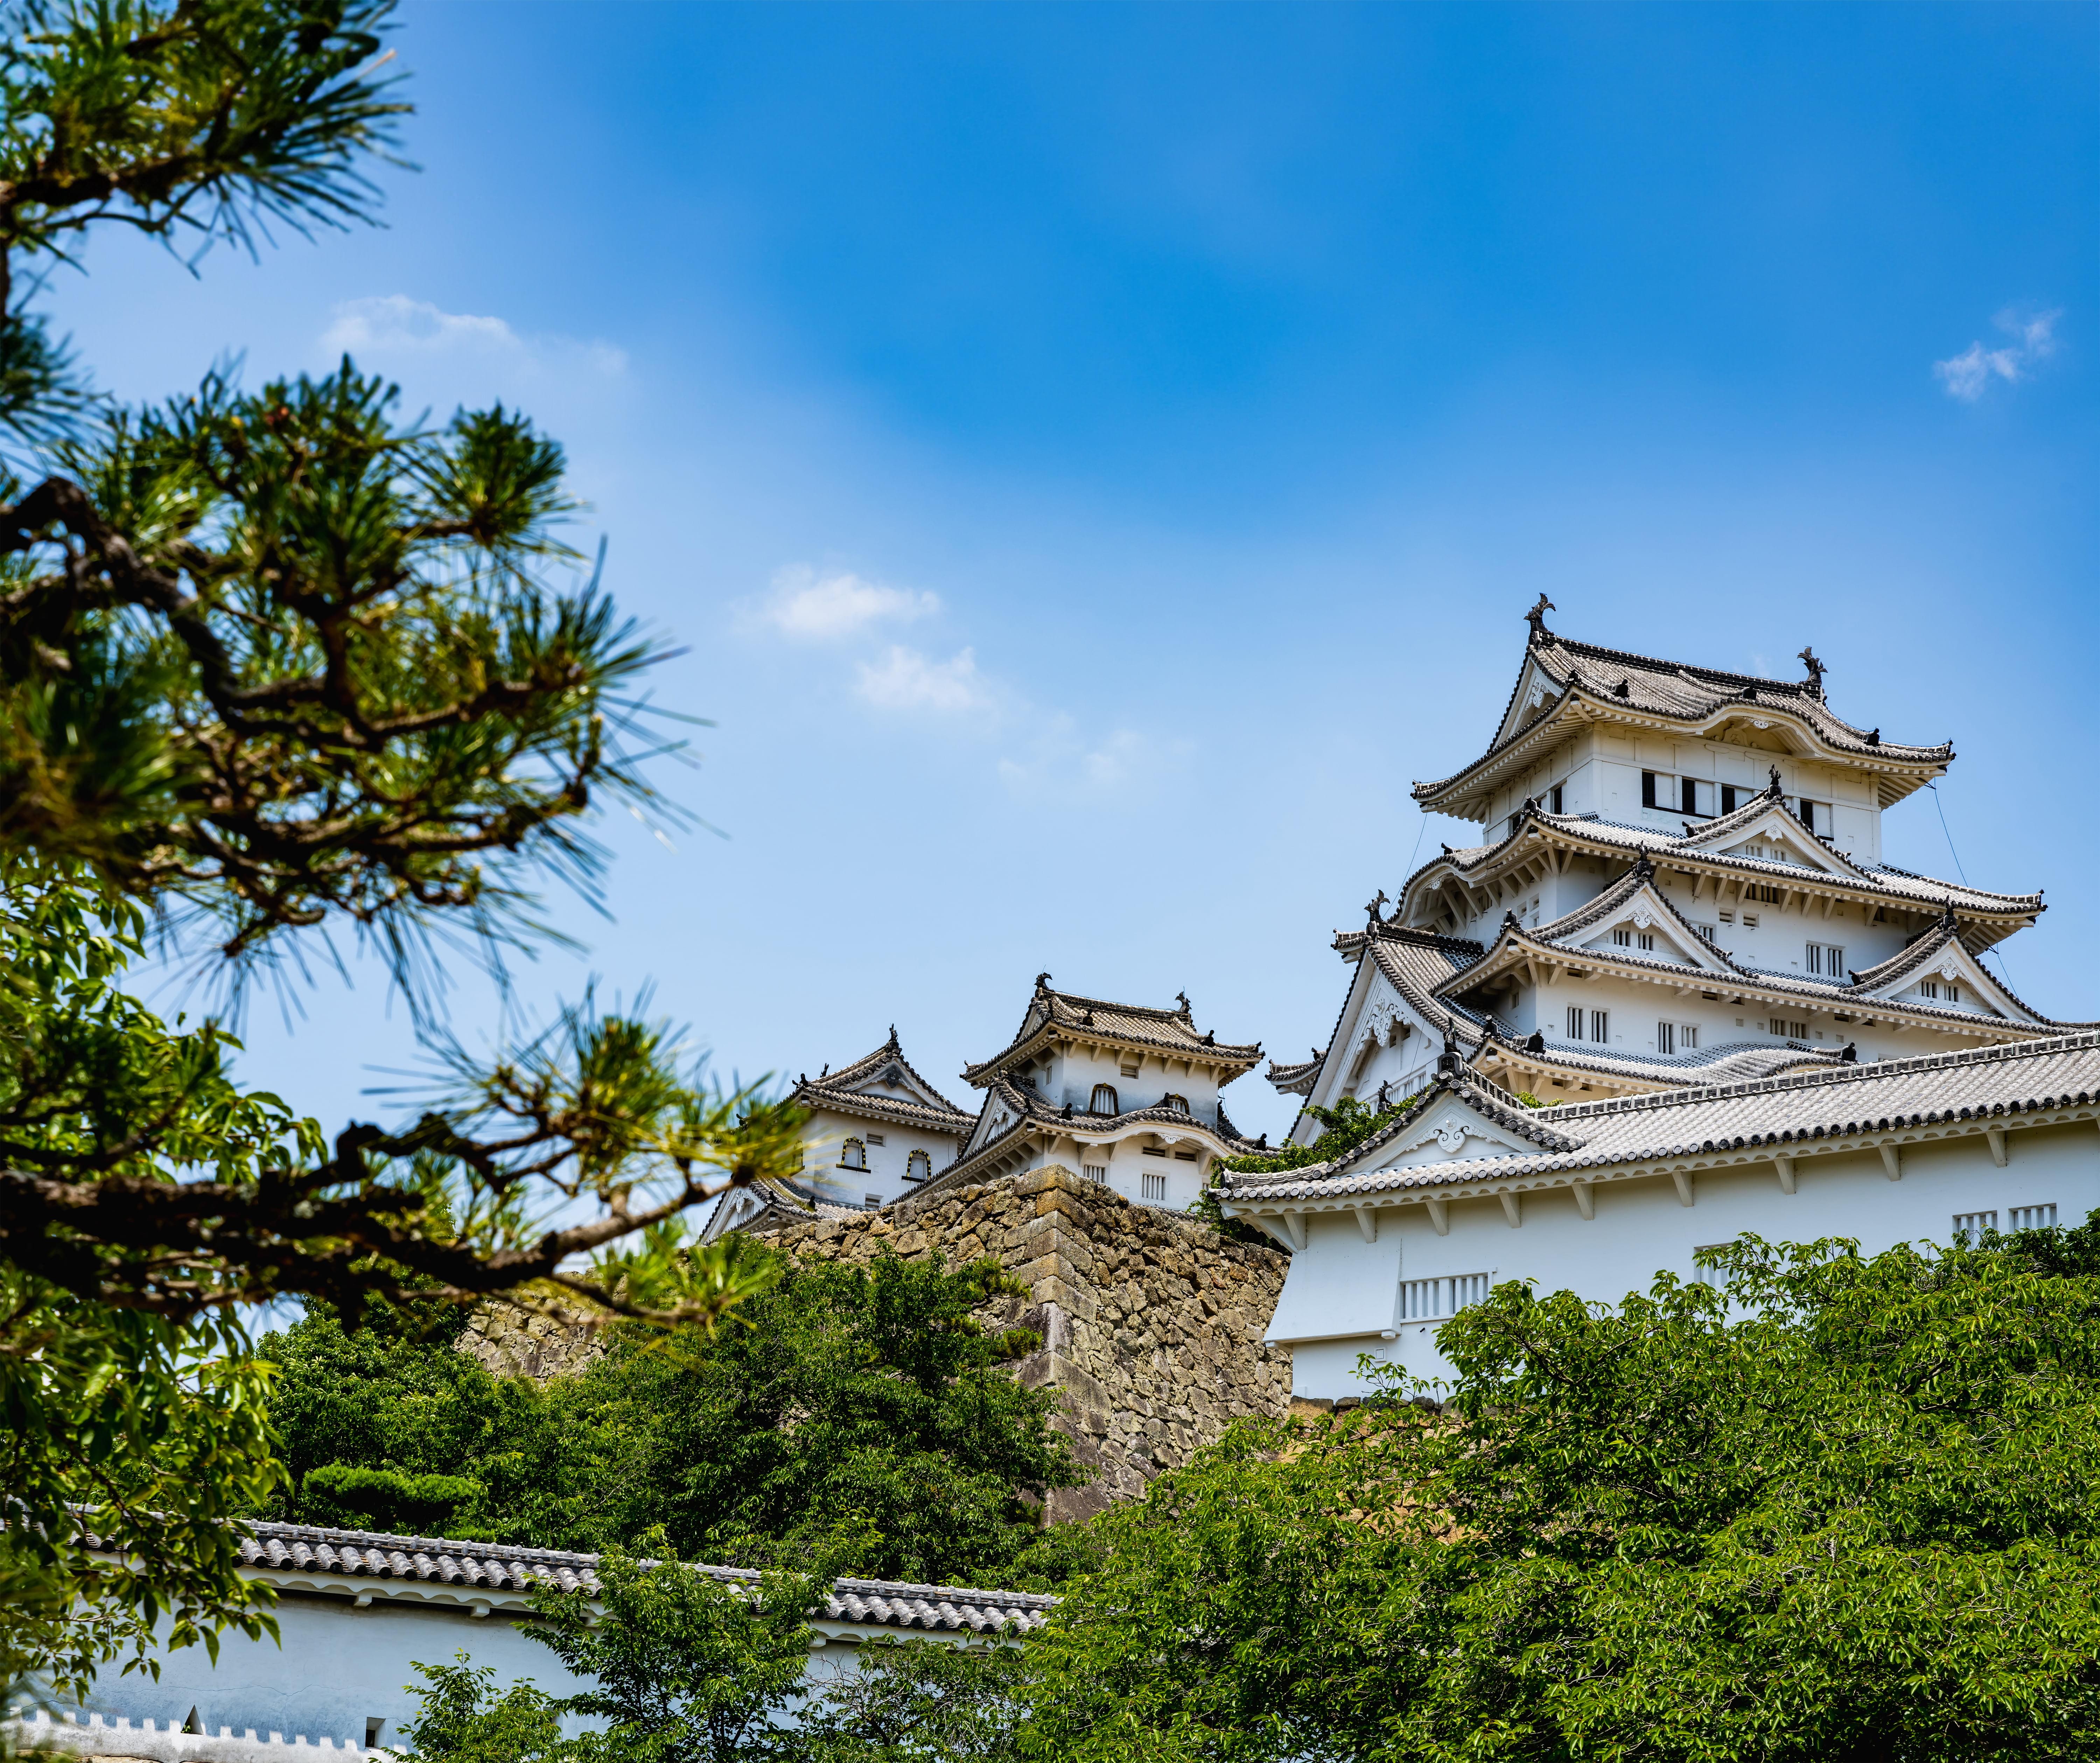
[1450,1128]
[1536,694]
[1642,927]
[1772,836]
[1951,979]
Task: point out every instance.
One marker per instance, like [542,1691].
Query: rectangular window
[1688,1036]
[1815,817]
[2031,1219]
[875,1137]
[1574,1022]
[1127,1071]
[1711,932]
[1600,1025]
[1648,781]
[1763,891]
[1154,1150]
[1184,1157]
[1560,798]
[1154,1186]
[1647,939]
[1728,918]
[1728,798]
[1788,1030]
[1827,959]
[1431,1300]
[1095,1172]
[1623,939]
[1706,1261]
[1954,993]
[1665,1037]
[1928,989]
[1968,1226]
[870,1202]
[1749,921]
[1695,797]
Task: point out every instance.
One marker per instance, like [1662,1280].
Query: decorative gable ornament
[1452,1135]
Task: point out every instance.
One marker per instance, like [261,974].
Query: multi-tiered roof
[1570,902]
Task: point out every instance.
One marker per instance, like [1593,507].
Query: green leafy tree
[870,1390]
[1835,1507]
[274,665]
[918,1702]
[843,1391]
[463,1720]
[684,1668]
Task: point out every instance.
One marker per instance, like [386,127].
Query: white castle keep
[1680,936]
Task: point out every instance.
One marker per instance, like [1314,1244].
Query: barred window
[1174,1104]
[1103,1101]
[1154,1187]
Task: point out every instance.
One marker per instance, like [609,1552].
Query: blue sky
[1094,458]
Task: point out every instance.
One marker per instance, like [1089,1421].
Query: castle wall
[1152,1325]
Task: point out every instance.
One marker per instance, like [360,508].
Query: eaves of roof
[1672,692]
[429,1569]
[1594,835]
[814,1093]
[1071,1017]
[1805,1115]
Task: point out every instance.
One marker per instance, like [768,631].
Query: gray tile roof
[1846,1101]
[1880,883]
[1682,693]
[842,1092]
[501,1569]
[1515,942]
[1052,1014]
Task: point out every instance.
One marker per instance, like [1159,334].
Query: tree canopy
[278,668]
[1832,1507]
[872,1394]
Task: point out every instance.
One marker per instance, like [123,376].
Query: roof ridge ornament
[1043,982]
[1773,789]
[1372,909]
[1182,999]
[1536,619]
[1644,869]
[1448,1062]
[1815,671]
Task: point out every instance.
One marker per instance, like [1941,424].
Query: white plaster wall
[338,1667]
[1330,1296]
[824,1138]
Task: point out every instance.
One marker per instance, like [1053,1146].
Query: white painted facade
[1680,901]
[340,1682]
[1129,1096]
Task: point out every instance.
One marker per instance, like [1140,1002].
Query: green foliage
[1343,1128]
[200,122]
[918,1702]
[388,1500]
[462,1720]
[684,1668]
[875,1392]
[272,662]
[1838,1508]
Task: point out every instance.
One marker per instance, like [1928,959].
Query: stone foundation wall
[515,1343]
[1151,1322]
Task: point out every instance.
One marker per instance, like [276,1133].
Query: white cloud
[905,680]
[394,324]
[1969,375]
[1127,764]
[803,604]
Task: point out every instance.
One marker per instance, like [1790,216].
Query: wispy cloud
[804,604]
[395,324]
[1125,763]
[1970,374]
[905,680]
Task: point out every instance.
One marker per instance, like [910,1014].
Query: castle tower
[1123,1094]
[1681,883]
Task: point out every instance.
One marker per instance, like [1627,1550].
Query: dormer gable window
[1174,1104]
[1103,1101]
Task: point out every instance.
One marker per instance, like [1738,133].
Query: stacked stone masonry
[1152,1323]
